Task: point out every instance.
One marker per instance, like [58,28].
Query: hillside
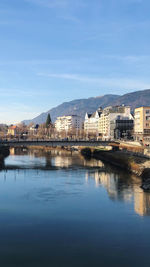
[81,106]
[135,99]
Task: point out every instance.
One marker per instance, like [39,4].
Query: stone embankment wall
[130,161]
[136,149]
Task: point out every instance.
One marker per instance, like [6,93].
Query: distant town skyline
[54,51]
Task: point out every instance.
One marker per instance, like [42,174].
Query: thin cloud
[103,82]
[36,62]
[129,58]
[49,3]
[7,92]
[57,3]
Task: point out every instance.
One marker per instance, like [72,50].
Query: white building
[66,123]
[34,129]
[91,121]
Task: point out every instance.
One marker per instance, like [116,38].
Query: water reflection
[48,159]
[123,187]
[119,186]
[141,202]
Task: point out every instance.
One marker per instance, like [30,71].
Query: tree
[48,121]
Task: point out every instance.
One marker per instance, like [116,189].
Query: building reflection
[55,158]
[113,184]
[93,163]
[125,189]
[141,202]
[12,151]
[119,186]
[18,151]
[60,161]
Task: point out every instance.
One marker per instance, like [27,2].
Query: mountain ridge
[77,106]
[81,106]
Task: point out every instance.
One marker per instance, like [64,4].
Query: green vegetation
[48,121]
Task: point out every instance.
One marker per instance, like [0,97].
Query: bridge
[57,143]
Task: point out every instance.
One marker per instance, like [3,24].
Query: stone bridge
[57,143]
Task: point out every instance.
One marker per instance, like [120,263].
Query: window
[147,131]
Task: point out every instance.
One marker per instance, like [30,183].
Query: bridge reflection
[119,186]
[49,159]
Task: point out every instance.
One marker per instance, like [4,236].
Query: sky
[53,51]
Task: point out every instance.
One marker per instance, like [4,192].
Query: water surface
[58,209]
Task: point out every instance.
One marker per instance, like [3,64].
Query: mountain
[135,99]
[81,106]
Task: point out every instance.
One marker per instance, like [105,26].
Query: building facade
[121,127]
[111,117]
[91,122]
[34,129]
[141,123]
[67,123]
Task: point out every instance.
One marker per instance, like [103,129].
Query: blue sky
[52,51]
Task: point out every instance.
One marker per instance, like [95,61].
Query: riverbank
[123,159]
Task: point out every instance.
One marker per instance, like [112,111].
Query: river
[58,209]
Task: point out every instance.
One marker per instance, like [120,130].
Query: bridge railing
[53,142]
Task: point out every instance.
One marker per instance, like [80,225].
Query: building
[91,121]
[13,130]
[141,123]
[67,123]
[121,127]
[114,120]
[34,129]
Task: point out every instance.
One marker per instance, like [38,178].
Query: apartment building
[66,123]
[116,114]
[141,123]
[91,121]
